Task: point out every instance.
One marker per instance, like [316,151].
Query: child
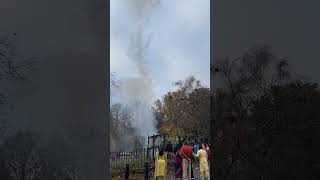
[160,165]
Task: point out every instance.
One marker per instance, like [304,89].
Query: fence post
[127,172]
[153,147]
[142,155]
[144,150]
[148,148]
[146,171]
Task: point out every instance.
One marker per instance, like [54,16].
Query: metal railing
[135,157]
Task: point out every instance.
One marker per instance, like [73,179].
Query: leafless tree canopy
[12,64]
[262,119]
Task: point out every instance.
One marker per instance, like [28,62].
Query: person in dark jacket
[168,149]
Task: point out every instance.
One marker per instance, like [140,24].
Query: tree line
[264,120]
[23,154]
[183,112]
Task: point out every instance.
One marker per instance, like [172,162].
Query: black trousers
[192,176]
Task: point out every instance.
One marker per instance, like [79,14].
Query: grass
[135,169]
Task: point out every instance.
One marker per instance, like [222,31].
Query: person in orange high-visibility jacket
[160,165]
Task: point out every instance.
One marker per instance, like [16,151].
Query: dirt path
[195,173]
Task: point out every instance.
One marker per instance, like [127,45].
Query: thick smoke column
[137,92]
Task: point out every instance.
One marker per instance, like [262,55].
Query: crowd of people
[185,155]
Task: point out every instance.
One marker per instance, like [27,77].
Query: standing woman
[177,164]
[203,160]
[160,165]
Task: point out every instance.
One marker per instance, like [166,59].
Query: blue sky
[180,42]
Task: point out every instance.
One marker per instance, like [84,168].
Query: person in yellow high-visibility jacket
[160,165]
[203,160]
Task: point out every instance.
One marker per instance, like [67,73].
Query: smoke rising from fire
[137,91]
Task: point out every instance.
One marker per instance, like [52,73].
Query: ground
[170,176]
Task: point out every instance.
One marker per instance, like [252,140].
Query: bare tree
[13,66]
[249,77]
[21,157]
[245,80]
[123,134]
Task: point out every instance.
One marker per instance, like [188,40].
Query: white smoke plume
[137,91]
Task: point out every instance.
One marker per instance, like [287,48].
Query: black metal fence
[142,159]
[136,157]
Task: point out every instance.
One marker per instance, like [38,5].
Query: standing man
[196,147]
[186,153]
[169,149]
